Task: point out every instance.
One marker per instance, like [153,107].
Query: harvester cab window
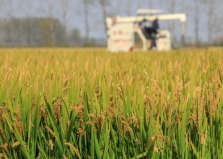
[147,30]
[143,27]
[150,31]
[145,33]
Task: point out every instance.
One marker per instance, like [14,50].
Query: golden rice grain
[51,132]
[51,144]
[74,149]
[5,148]
[16,144]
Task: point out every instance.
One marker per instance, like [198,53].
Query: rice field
[87,103]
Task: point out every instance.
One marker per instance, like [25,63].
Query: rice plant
[87,103]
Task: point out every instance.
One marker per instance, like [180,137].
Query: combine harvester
[125,33]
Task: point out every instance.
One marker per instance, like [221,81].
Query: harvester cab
[128,34]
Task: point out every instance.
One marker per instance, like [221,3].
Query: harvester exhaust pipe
[183,32]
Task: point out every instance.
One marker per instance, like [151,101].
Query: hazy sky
[75,18]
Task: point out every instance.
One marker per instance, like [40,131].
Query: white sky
[75,18]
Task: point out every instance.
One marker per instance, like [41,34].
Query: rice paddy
[87,103]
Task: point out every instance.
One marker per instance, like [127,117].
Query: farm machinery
[126,34]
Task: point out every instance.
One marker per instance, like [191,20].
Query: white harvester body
[125,34]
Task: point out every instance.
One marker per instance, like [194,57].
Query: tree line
[19,32]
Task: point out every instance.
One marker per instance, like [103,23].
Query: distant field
[87,103]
